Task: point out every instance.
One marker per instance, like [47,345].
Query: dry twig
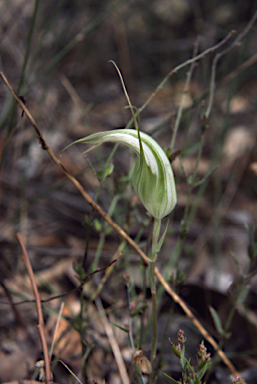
[40,326]
[113,342]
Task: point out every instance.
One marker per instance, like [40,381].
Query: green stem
[29,42]
[154,310]
[152,259]
[189,210]
[72,43]
[13,105]
[175,70]
[156,232]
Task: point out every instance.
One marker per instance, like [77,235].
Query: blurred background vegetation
[56,56]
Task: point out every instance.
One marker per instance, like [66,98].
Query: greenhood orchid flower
[152,178]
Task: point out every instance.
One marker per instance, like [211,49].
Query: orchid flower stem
[152,259]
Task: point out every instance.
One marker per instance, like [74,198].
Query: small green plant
[153,182]
[189,374]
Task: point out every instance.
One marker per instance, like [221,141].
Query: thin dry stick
[40,325]
[113,342]
[121,232]
[178,68]
[56,329]
[72,373]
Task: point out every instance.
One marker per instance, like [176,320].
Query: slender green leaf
[171,379]
[216,319]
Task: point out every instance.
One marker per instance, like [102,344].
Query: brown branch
[122,233]
[40,325]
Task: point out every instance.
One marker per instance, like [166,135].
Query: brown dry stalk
[113,342]
[123,234]
[40,326]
